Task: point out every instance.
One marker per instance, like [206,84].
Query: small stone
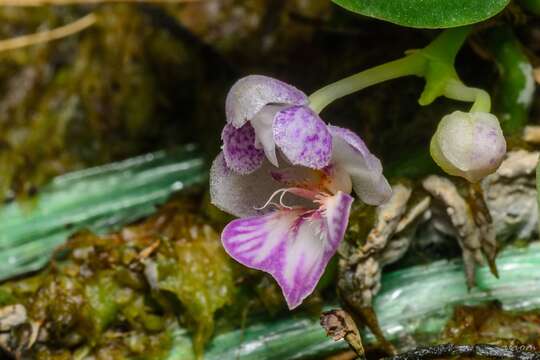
[12,316]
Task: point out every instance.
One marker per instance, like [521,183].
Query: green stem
[446,46]
[409,65]
[456,90]
[442,51]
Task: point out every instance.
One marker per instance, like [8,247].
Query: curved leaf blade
[426,13]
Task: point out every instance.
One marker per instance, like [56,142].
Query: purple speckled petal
[250,94]
[239,149]
[294,246]
[240,195]
[365,169]
[303,137]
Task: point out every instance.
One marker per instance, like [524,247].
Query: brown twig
[484,221]
[34,3]
[49,35]
[146,252]
[339,325]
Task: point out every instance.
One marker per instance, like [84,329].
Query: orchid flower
[288,176]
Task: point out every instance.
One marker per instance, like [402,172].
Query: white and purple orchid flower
[288,176]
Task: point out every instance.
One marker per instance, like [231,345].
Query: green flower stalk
[409,65]
[435,63]
[456,90]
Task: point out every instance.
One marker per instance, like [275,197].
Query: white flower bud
[470,145]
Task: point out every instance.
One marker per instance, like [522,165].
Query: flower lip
[293,245]
[252,93]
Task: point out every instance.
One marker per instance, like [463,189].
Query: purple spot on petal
[303,137]
[239,149]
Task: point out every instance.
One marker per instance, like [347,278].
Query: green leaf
[515,88]
[538,185]
[426,13]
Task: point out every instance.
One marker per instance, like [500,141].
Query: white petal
[250,94]
[364,168]
[263,123]
[240,195]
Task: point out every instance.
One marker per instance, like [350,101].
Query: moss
[103,297]
[199,275]
[361,220]
[98,96]
[490,324]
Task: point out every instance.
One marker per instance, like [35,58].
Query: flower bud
[470,145]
